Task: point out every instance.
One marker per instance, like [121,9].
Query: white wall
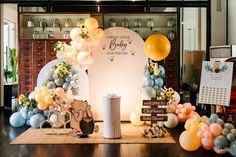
[232,21]
[218,23]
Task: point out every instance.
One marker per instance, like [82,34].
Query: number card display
[156,109]
[216,81]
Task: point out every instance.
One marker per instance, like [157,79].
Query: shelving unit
[35,53]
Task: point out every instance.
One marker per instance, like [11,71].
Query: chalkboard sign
[156,109]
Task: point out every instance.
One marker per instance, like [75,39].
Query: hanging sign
[216,81]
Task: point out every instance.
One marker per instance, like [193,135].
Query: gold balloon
[157,47]
[189,141]
[91,23]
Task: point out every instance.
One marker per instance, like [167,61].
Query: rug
[130,135]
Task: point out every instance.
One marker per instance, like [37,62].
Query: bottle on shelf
[80,21]
[43,23]
[55,22]
[124,22]
[30,22]
[50,34]
[36,35]
[150,22]
[171,35]
[66,34]
[112,22]
[68,22]
[170,22]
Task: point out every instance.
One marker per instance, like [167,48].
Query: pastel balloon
[170,108]
[148,93]
[221,142]
[172,121]
[182,117]
[157,47]
[36,119]
[98,33]
[215,129]
[176,97]
[135,118]
[228,126]
[16,120]
[75,34]
[232,148]
[42,106]
[207,143]
[220,151]
[91,23]
[189,141]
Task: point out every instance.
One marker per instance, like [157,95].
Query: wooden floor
[8,133]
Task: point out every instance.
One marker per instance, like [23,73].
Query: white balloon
[172,121]
[135,118]
[148,93]
[176,97]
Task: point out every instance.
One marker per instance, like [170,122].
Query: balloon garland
[61,85]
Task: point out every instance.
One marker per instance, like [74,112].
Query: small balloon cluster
[28,113]
[179,112]
[62,75]
[79,52]
[210,133]
[153,80]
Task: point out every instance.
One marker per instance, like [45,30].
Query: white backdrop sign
[216,81]
[118,68]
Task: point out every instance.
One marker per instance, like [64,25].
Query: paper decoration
[118,67]
[216,81]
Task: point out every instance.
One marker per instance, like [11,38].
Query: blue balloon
[214,117]
[36,119]
[149,83]
[232,148]
[159,82]
[30,114]
[45,113]
[28,122]
[35,110]
[162,70]
[221,142]
[16,120]
[147,74]
[24,115]
[209,121]
[220,121]
[153,77]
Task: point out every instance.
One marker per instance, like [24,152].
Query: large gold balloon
[189,141]
[157,47]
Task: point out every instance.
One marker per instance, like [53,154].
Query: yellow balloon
[42,106]
[189,141]
[91,23]
[157,47]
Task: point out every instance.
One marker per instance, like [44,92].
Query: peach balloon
[182,117]
[207,143]
[188,124]
[42,106]
[207,134]
[215,129]
[91,23]
[189,141]
[157,47]
[200,133]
